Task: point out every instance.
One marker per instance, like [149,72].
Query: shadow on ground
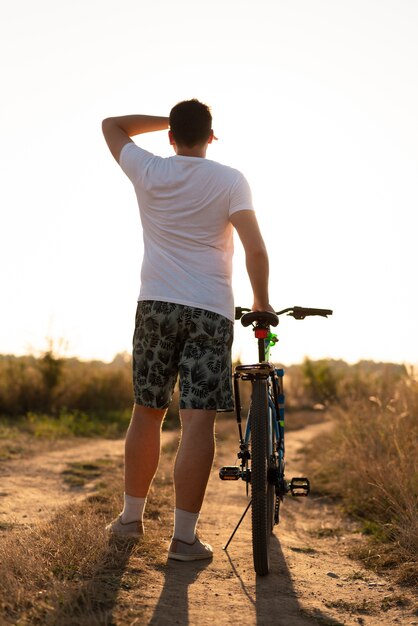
[173,603]
[276,600]
[93,602]
[273,597]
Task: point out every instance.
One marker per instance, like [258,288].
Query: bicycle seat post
[261,321]
[261,333]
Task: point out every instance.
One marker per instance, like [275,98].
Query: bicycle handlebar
[298,312]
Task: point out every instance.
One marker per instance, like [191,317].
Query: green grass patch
[304,550]
[19,435]
[78,474]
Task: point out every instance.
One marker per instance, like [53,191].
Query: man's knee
[197,418]
[146,412]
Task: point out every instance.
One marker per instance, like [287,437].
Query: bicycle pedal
[299,487]
[230,472]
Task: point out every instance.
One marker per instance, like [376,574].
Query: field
[363,467]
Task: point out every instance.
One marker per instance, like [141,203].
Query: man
[184,322]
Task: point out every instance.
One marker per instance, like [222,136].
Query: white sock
[133,509]
[185,525]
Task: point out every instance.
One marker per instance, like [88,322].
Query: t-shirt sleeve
[240,196]
[134,161]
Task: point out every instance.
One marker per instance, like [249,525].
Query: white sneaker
[183,551]
[131,529]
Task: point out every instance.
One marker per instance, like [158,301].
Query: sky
[315,101]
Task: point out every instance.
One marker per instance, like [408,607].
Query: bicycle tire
[262,493]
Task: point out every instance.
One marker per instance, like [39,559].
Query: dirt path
[312,580]
[33,489]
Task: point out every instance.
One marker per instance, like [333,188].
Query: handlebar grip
[300,312]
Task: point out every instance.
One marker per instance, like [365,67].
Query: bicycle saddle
[265,317]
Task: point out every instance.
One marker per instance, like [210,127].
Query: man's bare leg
[142,455]
[191,473]
[194,458]
[142,449]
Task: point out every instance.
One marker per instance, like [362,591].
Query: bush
[320,380]
[328,381]
[50,385]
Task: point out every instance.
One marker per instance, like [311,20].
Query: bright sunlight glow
[314,101]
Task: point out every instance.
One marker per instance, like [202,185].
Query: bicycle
[261,447]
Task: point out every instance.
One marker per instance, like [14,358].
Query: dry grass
[370,461]
[69,572]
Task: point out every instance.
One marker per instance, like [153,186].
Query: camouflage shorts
[173,340]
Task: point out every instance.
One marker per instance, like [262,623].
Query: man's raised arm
[256,257]
[118,131]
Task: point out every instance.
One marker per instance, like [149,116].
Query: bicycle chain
[276,509]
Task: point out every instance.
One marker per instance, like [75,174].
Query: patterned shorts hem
[150,405]
[206,408]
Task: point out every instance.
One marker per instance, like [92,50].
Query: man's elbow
[257,256]
[110,124]
[257,249]
[106,124]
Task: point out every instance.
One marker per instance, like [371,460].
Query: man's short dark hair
[190,123]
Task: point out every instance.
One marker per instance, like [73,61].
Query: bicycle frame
[276,402]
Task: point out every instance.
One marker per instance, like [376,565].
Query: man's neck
[195,151]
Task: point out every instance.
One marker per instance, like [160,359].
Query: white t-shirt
[185,204]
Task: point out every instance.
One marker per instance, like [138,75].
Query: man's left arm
[118,131]
[256,257]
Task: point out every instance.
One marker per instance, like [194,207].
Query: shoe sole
[118,533]
[188,557]
[120,530]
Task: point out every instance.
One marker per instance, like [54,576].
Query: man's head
[190,124]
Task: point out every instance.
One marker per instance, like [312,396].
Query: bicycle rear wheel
[262,491]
